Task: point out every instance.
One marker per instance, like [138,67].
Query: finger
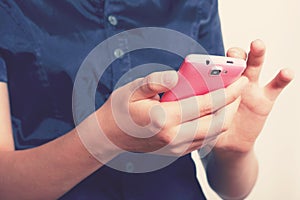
[196,130]
[274,87]
[255,60]
[221,122]
[236,52]
[193,134]
[199,106]
[153,84]
[209,126]
[207,144]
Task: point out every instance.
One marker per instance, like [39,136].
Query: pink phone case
[200,74]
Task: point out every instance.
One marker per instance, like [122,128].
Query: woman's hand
[135,120]
[256,102]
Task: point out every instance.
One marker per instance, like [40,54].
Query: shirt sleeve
[210,33]
[3,73]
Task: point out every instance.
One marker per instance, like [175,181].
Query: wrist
[95,141]
[232,155]
[234,143]
[232,173]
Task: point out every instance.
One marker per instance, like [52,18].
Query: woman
[43,43]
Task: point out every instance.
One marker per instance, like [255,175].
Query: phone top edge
[216,60]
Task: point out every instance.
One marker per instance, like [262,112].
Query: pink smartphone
[200,74]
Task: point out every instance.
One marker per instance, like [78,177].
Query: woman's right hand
[134,119]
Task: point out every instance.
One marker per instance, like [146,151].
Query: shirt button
[112,20]
[118,53]
[129,167]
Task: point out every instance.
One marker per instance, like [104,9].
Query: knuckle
[220,122]
[158,117]
[206,108]
[176,116]
[205,105]
[233,94]
[165,138]
[158,122]
[149,84]
[225,126]
[176,151]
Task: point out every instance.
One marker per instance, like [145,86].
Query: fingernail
[288,74]
[170,78]
[236,53]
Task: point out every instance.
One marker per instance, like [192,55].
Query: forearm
[6,138]
[232,175]
[45,172]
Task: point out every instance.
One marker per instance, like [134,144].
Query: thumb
[153,84]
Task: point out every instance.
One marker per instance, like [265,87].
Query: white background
[277,23]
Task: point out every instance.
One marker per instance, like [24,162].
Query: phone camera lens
[215,72]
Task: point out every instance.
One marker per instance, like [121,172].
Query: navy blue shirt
[3,75]
[43,43]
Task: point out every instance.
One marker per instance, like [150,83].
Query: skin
[232,166]
[22,173]
[6,139]
[170,123]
